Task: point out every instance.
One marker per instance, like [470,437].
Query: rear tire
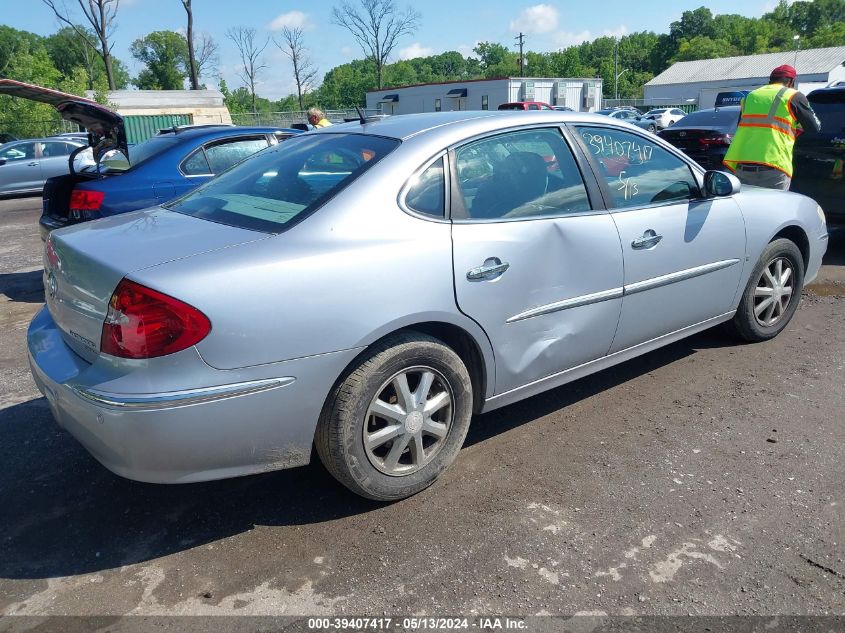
[398,419]
[772,295]
[652,129]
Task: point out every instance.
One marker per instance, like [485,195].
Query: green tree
[69,51]
[165,57]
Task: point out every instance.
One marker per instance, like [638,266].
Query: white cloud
[292,20]
[415,50]
[566,38]
[540,18]
[466,50]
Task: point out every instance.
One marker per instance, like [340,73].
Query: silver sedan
[366,288]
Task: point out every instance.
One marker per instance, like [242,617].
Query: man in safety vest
[317,118]
[770,119]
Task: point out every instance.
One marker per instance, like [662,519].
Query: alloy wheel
[773,292]
[408,421]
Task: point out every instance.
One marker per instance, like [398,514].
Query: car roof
[457,124]
[51,139]
[222,131]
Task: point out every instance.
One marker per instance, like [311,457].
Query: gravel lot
[705,478]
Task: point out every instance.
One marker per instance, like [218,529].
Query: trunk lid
[83,264]
[105,128]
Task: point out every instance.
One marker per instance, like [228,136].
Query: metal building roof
[810,62]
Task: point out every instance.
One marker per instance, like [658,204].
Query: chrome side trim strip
[681,275]
[179,398]
[574,302]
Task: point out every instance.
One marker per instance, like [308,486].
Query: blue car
[121,178]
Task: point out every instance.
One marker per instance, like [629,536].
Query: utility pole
[797,40]
[521,39]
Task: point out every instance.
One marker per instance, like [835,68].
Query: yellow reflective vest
[767,130]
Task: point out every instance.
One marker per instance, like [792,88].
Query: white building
[700,81]
[487,94]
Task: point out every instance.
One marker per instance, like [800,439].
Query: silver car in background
[364,289]
[26,165]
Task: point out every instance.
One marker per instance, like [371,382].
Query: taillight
[86,200]
[143,323]
[722,139]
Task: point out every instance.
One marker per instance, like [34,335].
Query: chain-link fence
[286,119]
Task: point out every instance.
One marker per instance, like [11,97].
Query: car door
[54,158]
[683,254]
[536,263]
[20,168]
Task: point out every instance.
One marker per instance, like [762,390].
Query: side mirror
[719,184]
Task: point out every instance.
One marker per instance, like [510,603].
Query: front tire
[398,419]
[772,294]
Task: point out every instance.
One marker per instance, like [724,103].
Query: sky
[445,25]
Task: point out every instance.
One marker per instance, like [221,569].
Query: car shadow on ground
[835,255]
[23,287]
[63,514]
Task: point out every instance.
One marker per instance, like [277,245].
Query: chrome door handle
[648,239]
[35,164]
[487,271]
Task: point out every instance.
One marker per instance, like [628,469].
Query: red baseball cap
[786,71]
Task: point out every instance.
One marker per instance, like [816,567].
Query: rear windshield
[830,108]
[272,188]
[721,117]
[149,148]
[511,106]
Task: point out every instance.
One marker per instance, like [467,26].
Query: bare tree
[206,55]
[304,71]
[377,27]
[250,52]
[101,16]
[193,71]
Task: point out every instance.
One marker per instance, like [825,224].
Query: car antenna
[361,116]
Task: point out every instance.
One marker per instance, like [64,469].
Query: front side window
[21,151]
[427,193]
[273,188]
[638,172]
[522,174]
[224,155]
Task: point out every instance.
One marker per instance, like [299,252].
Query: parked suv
[819,157]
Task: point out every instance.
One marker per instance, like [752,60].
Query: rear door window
[518,175]
[221,156]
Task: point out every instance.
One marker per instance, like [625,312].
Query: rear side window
[517,175]
[427,193]
[830,109]
[196,165]
[638,173]
[223,155]
[272,189]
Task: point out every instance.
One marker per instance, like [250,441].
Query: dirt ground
[704,478]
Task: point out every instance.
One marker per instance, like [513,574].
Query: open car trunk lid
[83,264]
[105,128]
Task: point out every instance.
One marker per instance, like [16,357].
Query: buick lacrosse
[365,289]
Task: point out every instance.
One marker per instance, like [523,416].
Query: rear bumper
[48,223]
[240,424]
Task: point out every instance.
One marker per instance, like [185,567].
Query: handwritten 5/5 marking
[626,185]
